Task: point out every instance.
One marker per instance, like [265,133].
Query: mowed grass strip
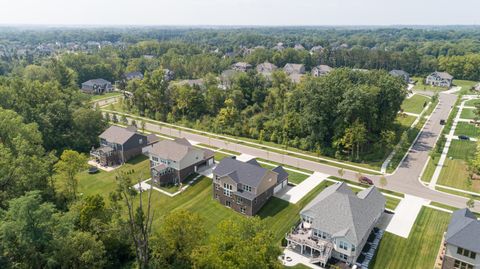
[461,149]
[472,102]
[415,104]
[465,128]
[468,113]
[421,247]
[455,174]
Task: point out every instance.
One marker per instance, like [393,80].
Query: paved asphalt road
[405,179]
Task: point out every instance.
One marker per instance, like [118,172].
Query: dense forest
[47,126]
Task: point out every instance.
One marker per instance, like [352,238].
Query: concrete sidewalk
[405,215]
[295,194]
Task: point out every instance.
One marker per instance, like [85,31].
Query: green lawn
[461,149]
[465,128]
[219,156]
[415,104]
[405,121]
[105,95]
[430,168]
[468,113]
[472,102]
[278,214]
[293,177]
[466,85]
[420,249]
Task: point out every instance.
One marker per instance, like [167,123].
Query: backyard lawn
[420,249]
[105,95]
[465,128]
[278,214]
[472,102]
[468,113]
[415,104]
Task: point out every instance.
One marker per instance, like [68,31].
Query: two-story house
[462,241]
[294,71]
[246,186]
[172,161]
[266,69]
[336,224]
[401,74]
[118,145]
[241,66]
[97,86]
[440,79]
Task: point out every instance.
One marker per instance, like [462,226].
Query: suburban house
[279,46]
[294,71]
[441,79]
[462,241]
[97,86]
[246,186]
[337,224]
[401,74]
[133,75]
[266,68]
[316,49]
[118,145]
[299,47]
[172,161]
[226,78]
[241,66]
[190,82]
[321,70]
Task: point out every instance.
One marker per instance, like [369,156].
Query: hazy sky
[240,12]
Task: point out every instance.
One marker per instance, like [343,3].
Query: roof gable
[464,230]
[117,134]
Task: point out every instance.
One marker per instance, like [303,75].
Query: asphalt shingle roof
[339,212]
[464,230]
[242,172]
[117,134]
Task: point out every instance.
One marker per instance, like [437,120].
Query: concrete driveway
[295,194]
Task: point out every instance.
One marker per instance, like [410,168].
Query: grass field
[461,149]
[105,95]
[415,104]
[473,102]
[430,168]
[466,85]
[468,113]
[405,121]
[465,128]
[420,249]
[278,214]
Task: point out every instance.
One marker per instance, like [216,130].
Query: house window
[343,256]
[228,204]
[217,187]
[343,245]
[466,253]
[227,189]
[155,159]
[216,196]
[462,265]
[140,141]
[239,200]
[353,247]
[247,188]
[242,210]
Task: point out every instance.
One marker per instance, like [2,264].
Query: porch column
[301,249]
[311,251]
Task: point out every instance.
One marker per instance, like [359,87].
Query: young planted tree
[67,168]
[383,181]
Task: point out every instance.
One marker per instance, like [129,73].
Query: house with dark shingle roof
[241,66]
[266,69]
[337,224]
[246,186]
[97,86]
[133,75]
[440,79]
[401,74]
[321,70]
[462,241]
[172,161]
[118,145]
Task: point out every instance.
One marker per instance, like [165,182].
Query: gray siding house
[401,74]
[241,66]
[118,145]
[266,69]
[246,186]
[336,224]
[321,70]
[440,79]
[133,75]
[97,86]
[172,161]
[462,241]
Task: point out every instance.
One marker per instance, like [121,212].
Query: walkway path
[295,194]
[405,215]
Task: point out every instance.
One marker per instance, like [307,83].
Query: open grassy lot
[473,102]
[468,113]
[103,96]
[420,249]
[415,104]
[466,85]
[465,128]
[278,214]
[405,121]
[461,149]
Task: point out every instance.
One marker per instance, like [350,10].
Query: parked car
[442,122]
[463,137]
[365,180]
[92,170]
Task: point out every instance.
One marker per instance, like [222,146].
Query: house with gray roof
[462,241]
[241,66]
[97,86]
[118,145]
[294,71]
[172,161]
[440,79]
[337,224]
[133,75]
[316,49]
[266,69]
[246,186]
[321,70]
[401,74]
